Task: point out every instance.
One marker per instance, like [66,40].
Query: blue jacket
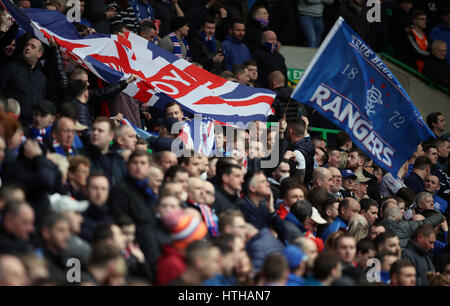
[334,226]
[441,32]
[261,245]
[235,52]
[440,204]
[220,280]
[294,280]
[260,217]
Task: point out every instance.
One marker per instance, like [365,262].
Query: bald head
[276,79]
[196,191]
[12,271]
[323,177]
[269,36]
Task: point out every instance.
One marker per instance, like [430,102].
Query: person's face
[9,49]
[378,174]
[446,272]
[318,156]
[337,179]
[293,195]
[441,123]
[349,184]
[129,231]
[128,140]
[184,30]
[432,154]
[375,231]
[446,20]
[59,235]
[22,225]
[174,111]
[406,6]
[334,158]
[310,249]
[2,149]
[155,181]
[32,51]
[255,149]
[75,220]
[196,191]
[353,161]
[195,166]
[327,181]
[101,135]
[209,29]
[310,224]
[427,203]
[168,160]
[346,250]
[393,245]
[282,170]
[65,133]
[401,205]
[371,214]
[387,262]
[234,180]
[238,227]
[82,77]
[98,190]
[211,264]
[41,120]
[182,178]
[361,189]
[209,193]
[169,204]
[270,37]
[351,210]
[444,149]
[220,139]
[243,77]
[261,185]
[139,167]
[238,31]
[334,211]
[407,276]
[80,175]
[262,14]
[421,22]
[426,242]
[440,51]
[253,72]
[362,259]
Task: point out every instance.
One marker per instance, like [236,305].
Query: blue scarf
[40,134]
[148,192]
[210,42]
[136,4]
[177,47]
[270,47]
[58,149]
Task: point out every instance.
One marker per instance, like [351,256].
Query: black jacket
[281,102]
[111,164]
[267,63]
[201,54]
[95,13]
[355,16]
[128,199]
[26,85]
[92,217]
[253,33]
[11,245]
[225,201]
[308,149]
[437,70]
[420,259]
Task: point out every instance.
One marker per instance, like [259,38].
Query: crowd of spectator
[77,185]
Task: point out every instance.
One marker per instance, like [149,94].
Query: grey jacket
[312,8]
[420,259]
[405,229]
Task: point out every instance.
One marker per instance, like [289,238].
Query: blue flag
[347,83]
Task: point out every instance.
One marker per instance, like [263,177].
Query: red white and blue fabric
[208,217]
[162,77]
[140,132]
[40,134]
[199,135]
[58,149]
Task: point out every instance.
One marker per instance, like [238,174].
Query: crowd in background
[78,184]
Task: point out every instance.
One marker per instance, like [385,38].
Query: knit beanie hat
[184,229]
[177,22]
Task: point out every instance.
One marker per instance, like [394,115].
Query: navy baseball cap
[347,173]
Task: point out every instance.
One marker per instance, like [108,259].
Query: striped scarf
[177,47]
[209,217]
[210,42]
[58,149]
[40,134]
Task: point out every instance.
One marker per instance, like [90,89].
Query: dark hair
[344,235]
[297,125]
[417,13]
[274,267]
[124,220]
[344,204]
[225,243]
[397,266]
[301,209]
[382,254]
[102,232]
[342,138]
[107,121]
[422,162]
[197,249]
[324,158]
[224,168]
[425,230]
[95,174]
[248,178]
[432,118]
[381,238]
[227,218]
[317,196]
[324,264]
[52,218]
[140,153]
[13,208]
[290,183]
[102,253]
[236,21]
[367,203]
[327,204]
[208,19]
[69,110]
[407,195]
[146,26]
[172,172]
[77,88]
[365,245]
[238,69]
[170,104]
[249,63]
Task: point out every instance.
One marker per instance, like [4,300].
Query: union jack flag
[162,77]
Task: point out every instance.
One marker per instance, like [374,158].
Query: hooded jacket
[420,259]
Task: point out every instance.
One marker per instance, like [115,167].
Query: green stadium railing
[414,72]
[324,132]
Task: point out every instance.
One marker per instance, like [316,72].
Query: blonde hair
[358,227]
